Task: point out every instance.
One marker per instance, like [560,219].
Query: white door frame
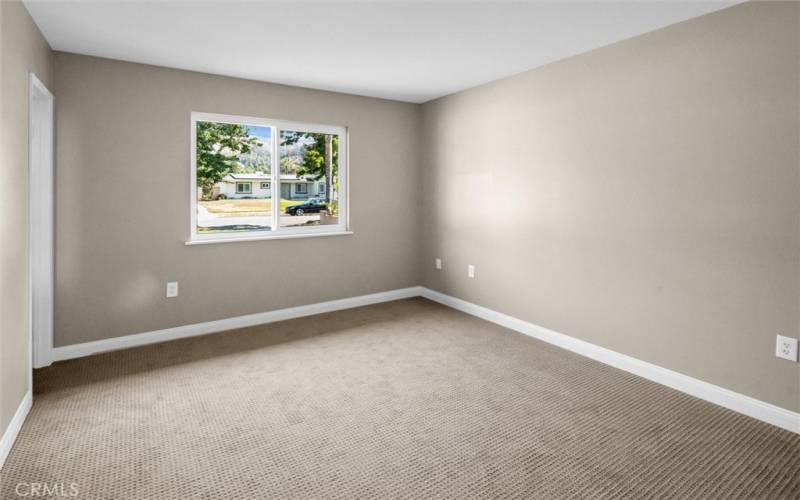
[41,236]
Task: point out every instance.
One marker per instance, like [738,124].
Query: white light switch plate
[786,348]
[172,289]
[438,263]
[470,271]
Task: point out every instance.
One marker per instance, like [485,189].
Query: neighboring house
[258,185]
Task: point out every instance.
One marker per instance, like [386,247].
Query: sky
[263,133]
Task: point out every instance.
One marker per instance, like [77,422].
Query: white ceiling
[413,51]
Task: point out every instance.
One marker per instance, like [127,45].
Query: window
[231,153]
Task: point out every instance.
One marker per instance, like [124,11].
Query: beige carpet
[405,399]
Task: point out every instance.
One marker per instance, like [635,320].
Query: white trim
[276,126]
[267,122]
[41,225]
[12,431]
[35,82]
[726,398]
[89,348]
[206,239]
[193,177]
[276,192]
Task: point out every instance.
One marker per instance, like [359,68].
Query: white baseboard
[179,332]
[726,398]
[709,392]
[10,435]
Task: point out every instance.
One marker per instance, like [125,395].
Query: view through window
[262,177]
[308,163]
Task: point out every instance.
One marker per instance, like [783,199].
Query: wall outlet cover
[172,289]
[470,271]
[438,263]
[786,348]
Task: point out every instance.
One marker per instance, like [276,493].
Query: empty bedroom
[384,249]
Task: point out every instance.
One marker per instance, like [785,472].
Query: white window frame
[276,231]
[249,186]
[297,188]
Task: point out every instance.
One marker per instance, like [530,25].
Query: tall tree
[320,156]
[218,148]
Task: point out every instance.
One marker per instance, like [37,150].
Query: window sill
[208,241]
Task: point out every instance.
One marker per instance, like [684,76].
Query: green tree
[288,165]
[218,148]
[320,156]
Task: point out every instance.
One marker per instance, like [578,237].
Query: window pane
[233,173]
[309,168]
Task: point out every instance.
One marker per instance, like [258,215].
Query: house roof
[257,176]
[261,176]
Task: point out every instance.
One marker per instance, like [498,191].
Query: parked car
[310,206]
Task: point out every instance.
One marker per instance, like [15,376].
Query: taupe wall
[642,197]
[23,51]
[123,202]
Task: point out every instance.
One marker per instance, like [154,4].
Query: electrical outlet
[438,263]
[172,289]
[470,271]
[786,348]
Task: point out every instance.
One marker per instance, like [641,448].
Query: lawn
[245,207]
